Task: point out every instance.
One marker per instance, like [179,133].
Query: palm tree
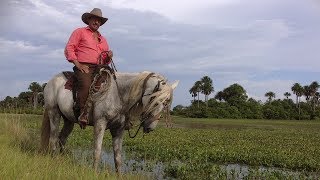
[299,93]
[287,94]
[270,95]
[307,92]
[193,92]
[35,88]
[206,88]
[198,86]
[296,89]
[314,86]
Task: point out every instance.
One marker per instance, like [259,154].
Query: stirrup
[83,120]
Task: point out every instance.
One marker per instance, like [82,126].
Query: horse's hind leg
[54,117]
[65,132]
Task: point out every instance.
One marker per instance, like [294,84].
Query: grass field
[20,159]
[205,148]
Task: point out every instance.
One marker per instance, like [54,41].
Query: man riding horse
[87,49]
[119,101]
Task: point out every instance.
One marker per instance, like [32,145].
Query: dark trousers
[84,81]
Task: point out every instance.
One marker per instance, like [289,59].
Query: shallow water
[156,170]
[152,170]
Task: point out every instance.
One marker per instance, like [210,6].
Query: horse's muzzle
[147,130]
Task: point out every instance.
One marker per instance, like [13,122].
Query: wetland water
[157,170]
[153,170]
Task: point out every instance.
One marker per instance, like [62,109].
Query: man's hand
[82,67]
[110,54]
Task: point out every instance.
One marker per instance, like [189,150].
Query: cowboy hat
[95,12]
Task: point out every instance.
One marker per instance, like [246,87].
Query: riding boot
[84,116]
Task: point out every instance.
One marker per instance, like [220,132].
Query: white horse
[144,95]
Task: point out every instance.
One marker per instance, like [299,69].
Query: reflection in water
[153,170]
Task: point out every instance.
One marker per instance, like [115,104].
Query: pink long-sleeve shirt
[83,47]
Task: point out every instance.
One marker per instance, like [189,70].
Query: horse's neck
[125,83]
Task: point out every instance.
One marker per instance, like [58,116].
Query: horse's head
[157,98]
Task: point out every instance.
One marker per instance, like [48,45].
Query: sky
[264,45]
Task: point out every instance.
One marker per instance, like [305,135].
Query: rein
[139,101]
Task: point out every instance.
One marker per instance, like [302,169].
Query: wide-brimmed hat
[95,12]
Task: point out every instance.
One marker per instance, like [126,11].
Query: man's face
[94,23]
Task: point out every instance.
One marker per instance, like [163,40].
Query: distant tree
[219,96]
[197,86]
[317,98]
[297,89]
[193,92]
[206,87]
[307,92]
[287,94]
[7,102]
[270,95]
[314,86]
[35,88]
[178,110]
[25,97]
[235,94]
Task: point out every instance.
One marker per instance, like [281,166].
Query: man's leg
[84,83]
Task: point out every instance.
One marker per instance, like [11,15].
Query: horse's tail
[45,132]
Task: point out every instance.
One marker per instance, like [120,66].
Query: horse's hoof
[82,125]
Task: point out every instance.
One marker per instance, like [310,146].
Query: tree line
[30,101]
[233,102]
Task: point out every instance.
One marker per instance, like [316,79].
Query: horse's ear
[175,84]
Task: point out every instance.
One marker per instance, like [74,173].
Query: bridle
[144,117]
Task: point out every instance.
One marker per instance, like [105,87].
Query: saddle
[71,84]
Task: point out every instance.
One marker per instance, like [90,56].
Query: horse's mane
[134,95]
[136,89]
[158,98]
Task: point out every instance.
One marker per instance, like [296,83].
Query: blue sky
[264,45]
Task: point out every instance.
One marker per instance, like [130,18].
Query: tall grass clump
[20,158]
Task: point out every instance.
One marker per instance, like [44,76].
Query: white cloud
[18,47]
[232,41]
[175,10]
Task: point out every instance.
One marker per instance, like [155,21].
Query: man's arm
[70,51]
[82,67]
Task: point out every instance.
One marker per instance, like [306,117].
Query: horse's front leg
[117,138]
[99,129]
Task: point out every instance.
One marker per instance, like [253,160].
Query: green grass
[19,157]
[200,144]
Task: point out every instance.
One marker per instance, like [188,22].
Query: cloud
[19,46]
[173,10]
[232,41]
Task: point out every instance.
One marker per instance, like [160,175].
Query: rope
[136,132]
